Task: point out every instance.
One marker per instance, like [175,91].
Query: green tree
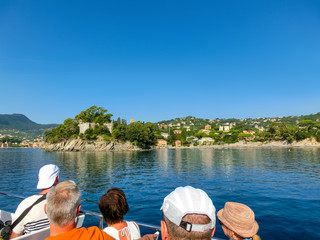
[142,135]
[10,140]
[89,134]
[94,114]
[172,138]
[70,128]
[245,136]
[302,134]
[279,130]
[47,135]
[201,135]
[309,124]
[101,130]
[317,136]
[119,132]
[217,138]
[233,138]
[242,126]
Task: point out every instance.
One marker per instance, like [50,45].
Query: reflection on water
[281,185]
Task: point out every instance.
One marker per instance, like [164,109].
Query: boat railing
[157,228]
[149,226]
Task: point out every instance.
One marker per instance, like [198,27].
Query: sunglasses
[221,223]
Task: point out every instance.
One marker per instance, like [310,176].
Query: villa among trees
[140,134]
[193,131]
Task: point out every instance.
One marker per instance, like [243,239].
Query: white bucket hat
[47,176]
[189,200]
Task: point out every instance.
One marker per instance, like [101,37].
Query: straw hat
[239,218]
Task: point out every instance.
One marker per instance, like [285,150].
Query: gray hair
[62,203]
[178,233]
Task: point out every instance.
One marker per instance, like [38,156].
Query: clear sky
[155,60]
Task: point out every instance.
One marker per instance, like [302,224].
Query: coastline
[244,145]
[79,145]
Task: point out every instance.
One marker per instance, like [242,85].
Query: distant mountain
[22,123]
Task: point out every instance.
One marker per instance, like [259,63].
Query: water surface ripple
[280,185]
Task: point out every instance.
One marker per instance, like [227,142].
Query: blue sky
[157,60]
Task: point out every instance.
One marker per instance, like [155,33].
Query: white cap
[47,176]
[189,200]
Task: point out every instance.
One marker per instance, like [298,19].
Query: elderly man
[188,213]
[63,206]
[27,221]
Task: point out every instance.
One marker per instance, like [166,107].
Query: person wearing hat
[188,213]
[36,219]
[238,222]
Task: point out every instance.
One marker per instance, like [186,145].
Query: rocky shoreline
[271,144]
[79,145]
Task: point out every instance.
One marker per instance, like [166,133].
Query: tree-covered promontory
[95,123]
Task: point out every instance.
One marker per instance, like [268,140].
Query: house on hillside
[188,129]
[165,135]
[261,129]
[178,143]
[161,143]
[249,132]
[165,126]
[4,145]
[226,127]
[177,132]
[204,131]
[207,127]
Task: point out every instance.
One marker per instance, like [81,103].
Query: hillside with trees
[21,122]
[195,131]
[97,124]
[17,127]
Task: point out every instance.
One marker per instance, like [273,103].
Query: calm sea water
[282,186]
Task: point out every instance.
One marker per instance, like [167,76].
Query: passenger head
[48,176]
[113,205]
[63,203]
[238,222]
[188,213]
